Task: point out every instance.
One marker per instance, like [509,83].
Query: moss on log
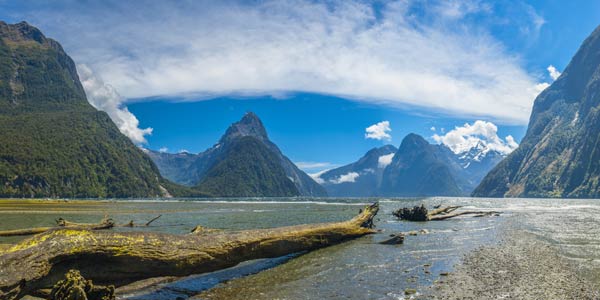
[119,258]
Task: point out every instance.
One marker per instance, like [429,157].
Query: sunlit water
[359,269]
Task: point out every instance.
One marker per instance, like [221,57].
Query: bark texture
[119,258]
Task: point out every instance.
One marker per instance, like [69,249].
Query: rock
[395,239]
[410,291]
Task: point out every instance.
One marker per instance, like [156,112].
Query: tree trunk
[119,258]
[420,213]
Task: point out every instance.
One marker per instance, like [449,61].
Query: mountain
[470,164]
[417,168]
[247,168]
[54,143]
[264,171]
[560,153]
[361,178]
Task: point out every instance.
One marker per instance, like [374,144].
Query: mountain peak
[248,125]
[21,32]
[413,140]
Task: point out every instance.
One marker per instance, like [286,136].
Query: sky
[329,79]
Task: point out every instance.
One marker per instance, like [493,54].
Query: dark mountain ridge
[559,155]
[417,168]
[198,169]
[54,143]
[368,170]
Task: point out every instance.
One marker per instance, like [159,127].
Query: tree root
[420,213]
[75,287]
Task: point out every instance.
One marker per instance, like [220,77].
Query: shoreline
[520,266]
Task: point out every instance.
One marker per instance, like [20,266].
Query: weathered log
[452,215]
[420,213]
[119,258]
[154,219]
[60,223]
[27,231]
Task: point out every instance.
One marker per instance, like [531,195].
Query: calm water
[359,269]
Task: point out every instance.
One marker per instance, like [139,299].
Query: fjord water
[359,269]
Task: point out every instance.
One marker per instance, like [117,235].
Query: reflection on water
[360,269]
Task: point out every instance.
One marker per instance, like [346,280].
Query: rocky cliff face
[53,142]
[196,169]
[560,154]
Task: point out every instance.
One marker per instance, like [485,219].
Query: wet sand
[520,267]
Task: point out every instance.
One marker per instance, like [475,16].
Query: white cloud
[432,128]
[163,150]
[350,177]
[317,176]
[541,86]
[384,160]
[553,72]
[183,151]
[379,131]
[483,133]
[394,54]
[105,98]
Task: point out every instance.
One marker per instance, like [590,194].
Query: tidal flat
[440,261]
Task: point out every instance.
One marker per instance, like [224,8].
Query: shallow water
[359,269]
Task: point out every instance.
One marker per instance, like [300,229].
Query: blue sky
[175,74]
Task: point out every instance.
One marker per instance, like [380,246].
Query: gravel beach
[520,267]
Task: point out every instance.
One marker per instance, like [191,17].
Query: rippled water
[359,269]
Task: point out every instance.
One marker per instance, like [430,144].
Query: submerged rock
[395,239]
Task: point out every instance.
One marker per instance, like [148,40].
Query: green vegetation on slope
[53,143]
[248,169]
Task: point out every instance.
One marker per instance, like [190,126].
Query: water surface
[359,269]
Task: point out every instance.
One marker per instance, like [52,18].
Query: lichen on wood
[120,258]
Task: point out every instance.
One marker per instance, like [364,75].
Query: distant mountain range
[416,168]
[560,153]
[243,163]
[53,143]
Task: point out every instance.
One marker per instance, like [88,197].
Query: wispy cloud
[393,54]
[379,131]
[306,165]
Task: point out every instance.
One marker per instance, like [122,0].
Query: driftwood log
[421,213]
[105,223]
[120,258]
